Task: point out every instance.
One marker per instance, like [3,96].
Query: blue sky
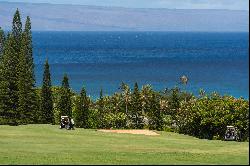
[178,4]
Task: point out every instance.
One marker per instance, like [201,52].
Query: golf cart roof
[230,126]
[64,116]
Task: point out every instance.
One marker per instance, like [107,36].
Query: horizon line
[104,6]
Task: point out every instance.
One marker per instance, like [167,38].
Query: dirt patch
[145,132]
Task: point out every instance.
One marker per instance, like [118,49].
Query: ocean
[211,61]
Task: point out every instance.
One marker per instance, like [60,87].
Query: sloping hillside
[53,17]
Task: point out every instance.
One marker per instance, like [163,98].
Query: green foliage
[167,123]
[65,103]
[136,112]
[29,48]
[56,96]
[17,25]
[174,102]
[25,88]
[46,96]
[126,97]
[93,120]
[82,109]
[17,32]
[114,120]
[9,83]
[208,116]
[27,98]
[155,114]
[101,109]
[18,98]
[2,39]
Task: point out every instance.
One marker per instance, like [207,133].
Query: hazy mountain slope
[86,18]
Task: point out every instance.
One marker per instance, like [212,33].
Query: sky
[170,4]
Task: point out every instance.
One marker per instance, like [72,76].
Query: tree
[184,80]
[82,109]
[9,83]
[136,114]
[174,102]
[155,114]
[46,96]
[9,70]
[146,97]
[65,104]
[101,102]
[2,39]
[126,94]
[17,32]
[101,110]
[29,48]
[27,102]
[24,89]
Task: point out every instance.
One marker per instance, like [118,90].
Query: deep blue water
[212,61]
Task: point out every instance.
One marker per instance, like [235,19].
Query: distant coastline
[60,17]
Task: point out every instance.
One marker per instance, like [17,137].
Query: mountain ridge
[61,17]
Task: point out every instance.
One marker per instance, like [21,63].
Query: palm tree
[126,93]
[146,95]
[184,80]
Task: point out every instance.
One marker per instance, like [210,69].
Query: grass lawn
[46,144]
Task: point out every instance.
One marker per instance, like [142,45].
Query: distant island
[54,17]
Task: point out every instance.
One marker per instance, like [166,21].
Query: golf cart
[65,122]
[232,134]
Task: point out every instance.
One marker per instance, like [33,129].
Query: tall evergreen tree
[28,43]
[65,104]
[9,70]
[2,39]
[101,109]
[137,118]
[82,109]
[9,82]
[155,114]
[28,105]
[46,96]
[17,32]
[101,102]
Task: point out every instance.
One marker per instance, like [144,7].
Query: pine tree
[101,102]
[9,69]
[65,104]
[82,109]
[17,32]
[27,102]
[2,39]
[9,82]
[136,113]
[101,109]
[28,44]
[155,114]
[46,96]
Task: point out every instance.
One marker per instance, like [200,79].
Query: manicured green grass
[46,144]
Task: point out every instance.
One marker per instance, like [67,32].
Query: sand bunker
[145,132]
